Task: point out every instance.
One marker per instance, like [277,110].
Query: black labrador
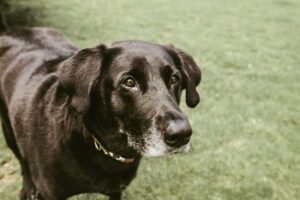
[79,121]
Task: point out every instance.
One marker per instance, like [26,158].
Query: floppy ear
[78,74]
[190,71]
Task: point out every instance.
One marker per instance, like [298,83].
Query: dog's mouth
[154,145]
[165,151]
[184,149]
[150,144]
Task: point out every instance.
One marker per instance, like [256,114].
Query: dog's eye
[174,79]
[129,82]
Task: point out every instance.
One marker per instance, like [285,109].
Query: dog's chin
[164,150]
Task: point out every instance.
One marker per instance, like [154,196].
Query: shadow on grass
[15,15]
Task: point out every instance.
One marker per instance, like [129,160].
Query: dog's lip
[176,152]
[183,149]
[132,155]
[129,152]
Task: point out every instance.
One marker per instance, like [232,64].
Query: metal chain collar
[119,158]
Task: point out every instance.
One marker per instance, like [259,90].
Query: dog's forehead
[152,53]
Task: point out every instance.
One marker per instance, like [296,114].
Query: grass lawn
[246,141]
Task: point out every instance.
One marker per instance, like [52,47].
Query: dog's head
[128,94]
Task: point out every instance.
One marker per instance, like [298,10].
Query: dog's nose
[178,133]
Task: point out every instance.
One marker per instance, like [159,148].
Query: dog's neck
[82,146]
[83,130]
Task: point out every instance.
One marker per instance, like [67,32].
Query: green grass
[246,142]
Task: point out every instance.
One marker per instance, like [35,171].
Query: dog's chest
[93,178]
[113,183]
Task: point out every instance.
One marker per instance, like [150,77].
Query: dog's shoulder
[29,52]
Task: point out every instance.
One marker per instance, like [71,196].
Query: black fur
[53,96]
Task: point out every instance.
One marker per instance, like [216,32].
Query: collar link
[117,157]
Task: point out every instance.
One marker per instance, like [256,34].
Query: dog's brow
[165,71]
[139,72]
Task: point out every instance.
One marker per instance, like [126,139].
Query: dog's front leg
[115,196]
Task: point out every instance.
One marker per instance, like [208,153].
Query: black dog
[80,120]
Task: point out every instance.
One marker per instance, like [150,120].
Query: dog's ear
[190,71]
[78,74]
